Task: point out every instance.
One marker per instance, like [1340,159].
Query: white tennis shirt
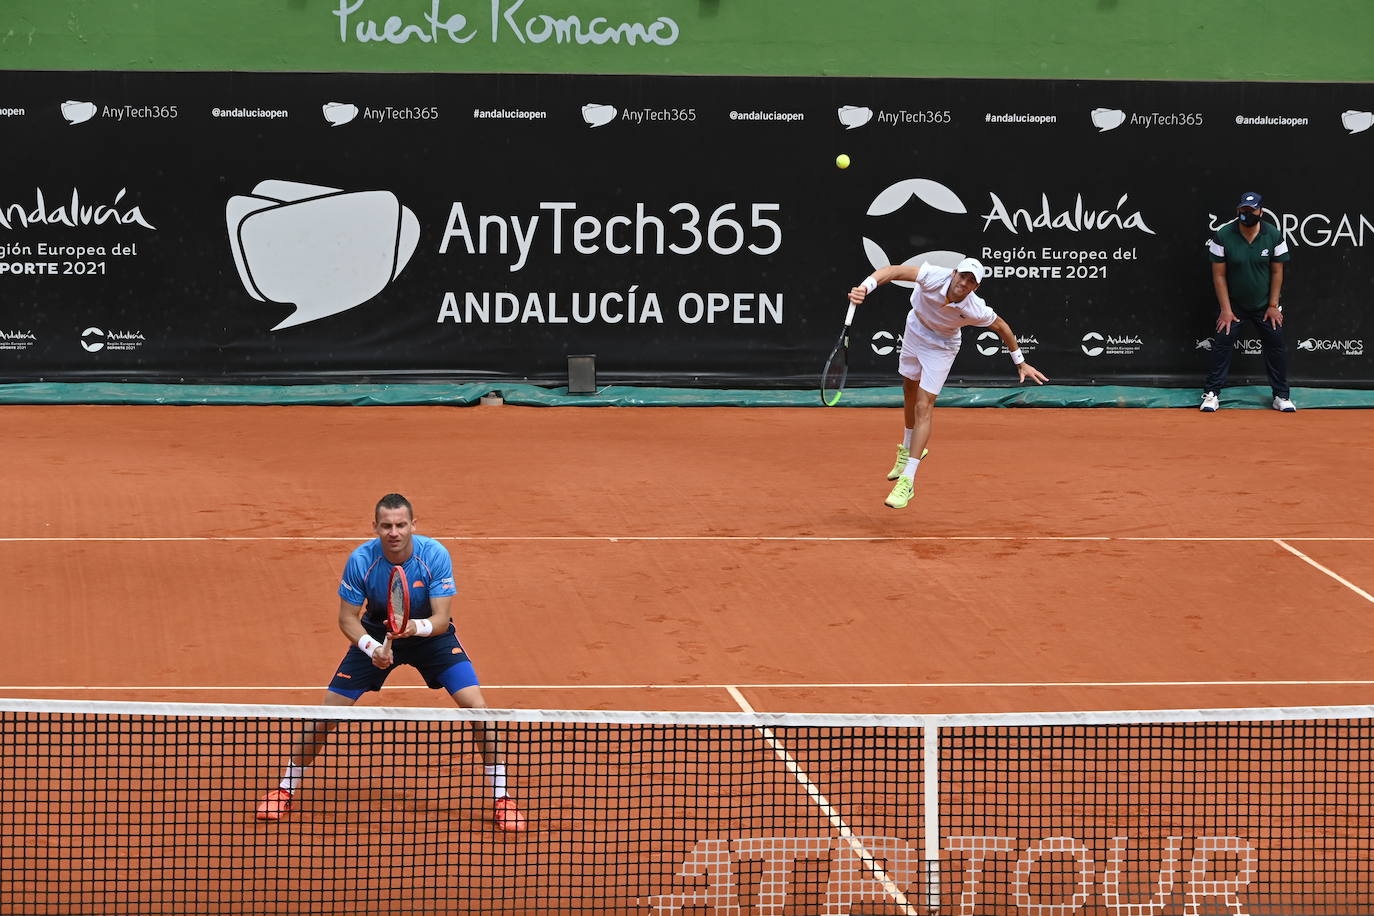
[937,322]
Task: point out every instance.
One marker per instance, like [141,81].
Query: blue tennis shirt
[429,573]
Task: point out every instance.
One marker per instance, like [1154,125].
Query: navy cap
[1250,199]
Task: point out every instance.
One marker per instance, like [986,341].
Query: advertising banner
[686,230]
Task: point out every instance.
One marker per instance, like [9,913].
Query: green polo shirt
[1247,263]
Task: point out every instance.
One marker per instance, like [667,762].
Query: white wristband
[368,644]
[869,284]
[423,628]
[1016,357]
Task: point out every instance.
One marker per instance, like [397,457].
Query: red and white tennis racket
[397,605]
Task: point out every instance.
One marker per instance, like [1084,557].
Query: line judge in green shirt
[1247,257]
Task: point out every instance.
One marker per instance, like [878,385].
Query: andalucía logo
[93,340]
[322,250]
[17,340]
[893,198]
[1097,344]
[989,344]
[74,212]
[1080,218]
[884,343]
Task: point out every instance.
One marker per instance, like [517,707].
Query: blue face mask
[1249,219]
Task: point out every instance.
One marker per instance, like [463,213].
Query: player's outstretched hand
[1026,370]
[857,295]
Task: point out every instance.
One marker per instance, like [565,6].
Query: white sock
[291,779]
[906,438]
[496,777]
[911,464]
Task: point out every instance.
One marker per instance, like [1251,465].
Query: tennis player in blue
[429,643]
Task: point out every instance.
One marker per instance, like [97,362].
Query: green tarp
[632,396]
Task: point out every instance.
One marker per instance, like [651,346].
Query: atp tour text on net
[560,229]
[1212,878]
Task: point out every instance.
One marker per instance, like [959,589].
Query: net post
[930,782]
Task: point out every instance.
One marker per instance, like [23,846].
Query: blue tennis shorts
[441,661]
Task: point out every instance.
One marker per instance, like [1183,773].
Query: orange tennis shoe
[508,815]
[274,805]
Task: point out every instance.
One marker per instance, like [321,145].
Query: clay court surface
[651,558]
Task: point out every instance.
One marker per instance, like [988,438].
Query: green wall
[1287,40]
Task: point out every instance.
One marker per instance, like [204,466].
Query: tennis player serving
[427,641]
[942,304]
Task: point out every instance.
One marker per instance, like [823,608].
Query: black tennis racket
[837,366]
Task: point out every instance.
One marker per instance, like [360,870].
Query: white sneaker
[1284,405]
[1210,402]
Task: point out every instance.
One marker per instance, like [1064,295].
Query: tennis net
[149,808]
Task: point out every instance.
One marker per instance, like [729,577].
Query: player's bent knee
[350,695]
[470,698]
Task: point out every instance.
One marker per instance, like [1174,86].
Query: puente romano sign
[501,20]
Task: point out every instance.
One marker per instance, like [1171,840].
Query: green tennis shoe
[900,495]
[903,456]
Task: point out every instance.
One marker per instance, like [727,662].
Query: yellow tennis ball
[842,160]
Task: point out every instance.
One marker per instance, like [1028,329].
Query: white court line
[959,685]
[889,886]
[696,537]
[1315,565]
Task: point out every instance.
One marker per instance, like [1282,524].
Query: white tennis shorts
[924,362]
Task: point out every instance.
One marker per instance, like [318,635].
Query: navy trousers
[1271,343]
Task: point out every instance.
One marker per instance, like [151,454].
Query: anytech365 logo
[1105,119]
[323,250]
[339,113]
[1357,122]
[852,116]
[77,112]
[598,114]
